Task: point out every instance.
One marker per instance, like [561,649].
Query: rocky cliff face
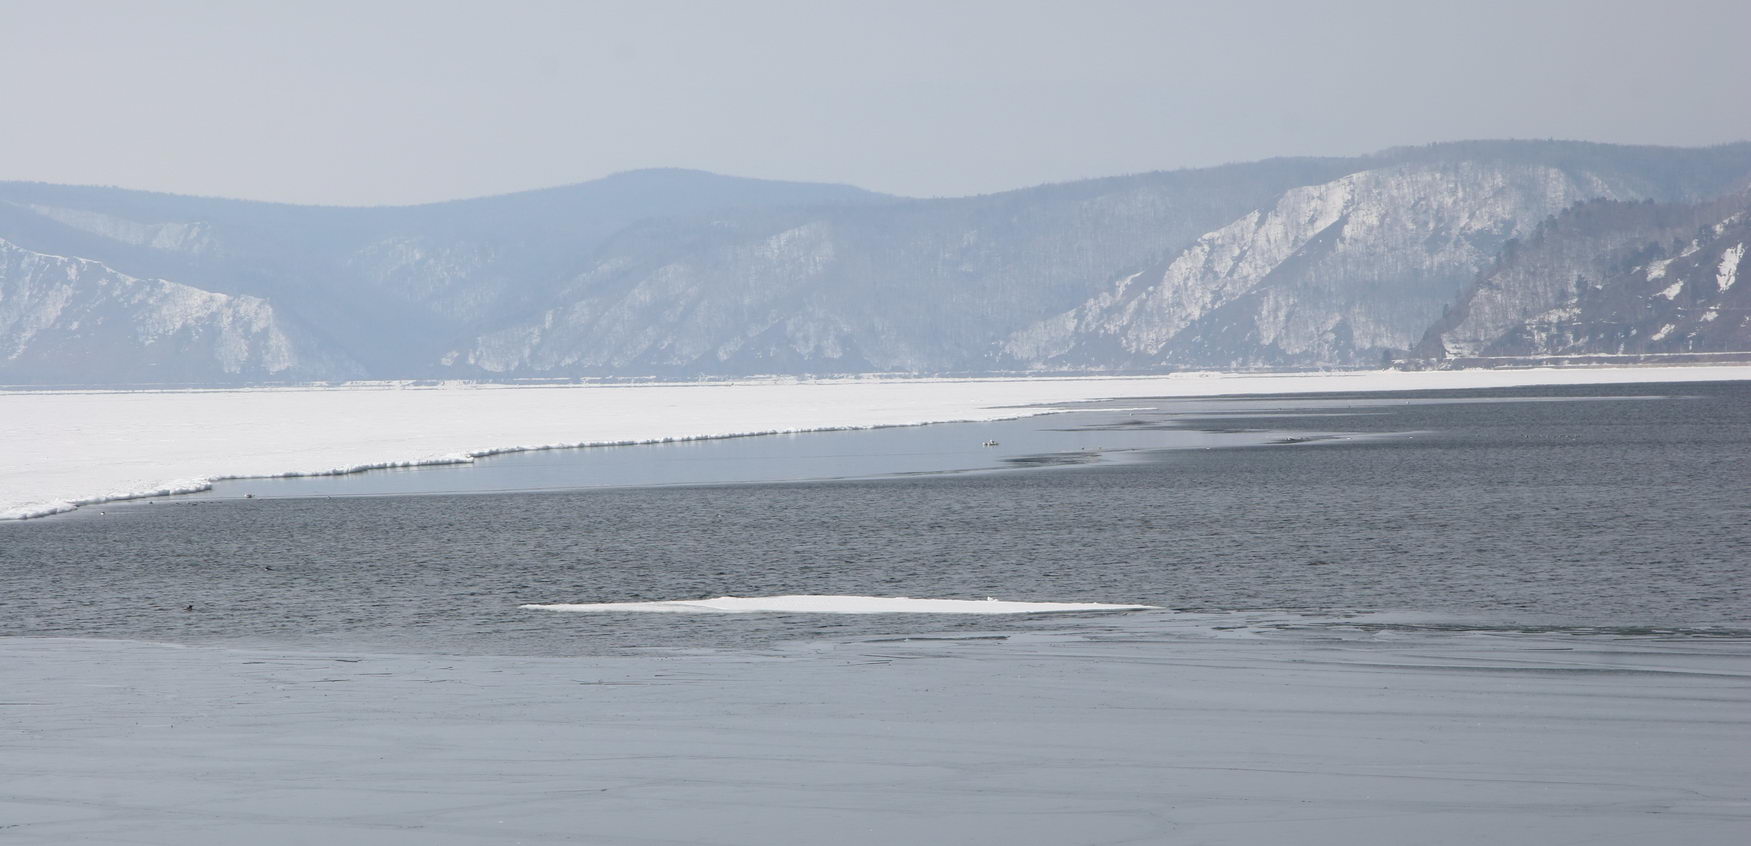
[76,321]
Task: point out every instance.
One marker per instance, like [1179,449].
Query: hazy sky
[391,102]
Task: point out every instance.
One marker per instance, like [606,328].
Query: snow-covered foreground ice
[62,449]
[1136,729]
[838,605]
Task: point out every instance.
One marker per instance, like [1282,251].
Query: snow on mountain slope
[451,280]
[1566,257]
[75,320]
[1329,274]
[677,313]
[1685,298]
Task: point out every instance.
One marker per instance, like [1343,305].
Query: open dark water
[1619,508]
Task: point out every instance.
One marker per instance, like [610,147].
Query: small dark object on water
[249,496]
[188,608]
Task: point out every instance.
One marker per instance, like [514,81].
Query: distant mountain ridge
[1285,263]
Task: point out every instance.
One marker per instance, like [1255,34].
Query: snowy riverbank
[64,449]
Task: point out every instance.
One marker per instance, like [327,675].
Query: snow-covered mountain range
[1465,249]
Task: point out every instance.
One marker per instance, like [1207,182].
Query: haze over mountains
[1460,251]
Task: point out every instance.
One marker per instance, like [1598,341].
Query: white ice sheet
[62,449]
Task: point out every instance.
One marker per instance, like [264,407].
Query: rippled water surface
[1613,508]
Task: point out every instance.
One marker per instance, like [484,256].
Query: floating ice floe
[839,605]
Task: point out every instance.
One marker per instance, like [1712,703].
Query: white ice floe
[62,449]
[803,604]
